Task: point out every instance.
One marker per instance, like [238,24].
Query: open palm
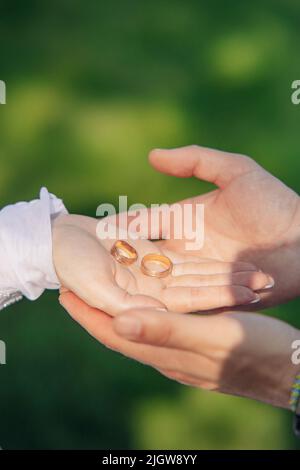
[85,266]
[252,216]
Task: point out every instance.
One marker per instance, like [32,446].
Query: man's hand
[237,353]
[252,216]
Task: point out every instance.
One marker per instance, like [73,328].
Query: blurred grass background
[91,88]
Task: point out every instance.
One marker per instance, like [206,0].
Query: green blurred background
[91,88]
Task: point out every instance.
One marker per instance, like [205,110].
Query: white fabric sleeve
[26,263]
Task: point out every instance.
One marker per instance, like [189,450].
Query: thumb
[207,164]
[163,329]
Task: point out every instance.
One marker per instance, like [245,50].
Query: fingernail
[254,301]
[161,309]
[270,284]
[129,327]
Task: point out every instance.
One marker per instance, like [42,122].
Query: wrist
[279,371]
[26,246]
[293,371]
[264,366]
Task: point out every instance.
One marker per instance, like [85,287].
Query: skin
[244,354]
[251,217]
[85,266]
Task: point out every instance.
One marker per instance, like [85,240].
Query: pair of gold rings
[152,264]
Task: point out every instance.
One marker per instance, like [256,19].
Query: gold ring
[124,253]
[161,260]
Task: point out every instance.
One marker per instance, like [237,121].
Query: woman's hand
[85,266]
[242,354]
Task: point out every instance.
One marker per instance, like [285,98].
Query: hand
[252,216]
[85,266]
[242,354]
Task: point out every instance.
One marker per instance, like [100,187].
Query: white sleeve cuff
[26,263]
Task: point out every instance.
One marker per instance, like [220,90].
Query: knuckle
[193,147]
[246,162]
[165,333]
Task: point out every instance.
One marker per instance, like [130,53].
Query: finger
[88,317]
[207,164]
[194,299]
[106,331]
[191,333]
[100,325]
[192,381]
[96,322]
[180,377]
[210,267]
[253,280]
